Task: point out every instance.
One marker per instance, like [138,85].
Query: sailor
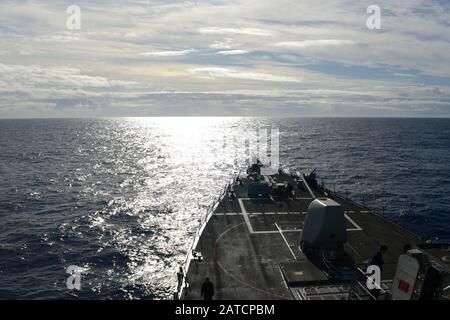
[377,259]
[207,290]
[180,276]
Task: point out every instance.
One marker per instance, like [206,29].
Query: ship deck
[250,247]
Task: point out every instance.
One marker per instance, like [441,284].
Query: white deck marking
[287,244]
[291,230]
[241,205]
[357,227]
[244,213]
[273,231]
[258,213]
[274,213]
[266,199]
[227,214]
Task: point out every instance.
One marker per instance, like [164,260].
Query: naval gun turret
[324,228]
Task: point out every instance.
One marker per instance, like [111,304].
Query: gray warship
[274,234]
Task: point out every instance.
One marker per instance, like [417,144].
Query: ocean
[121,197]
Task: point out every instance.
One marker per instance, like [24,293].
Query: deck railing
[359,291]
[360,200]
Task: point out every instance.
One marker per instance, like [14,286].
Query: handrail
[374,210]
[370,279]
[365,290]
[358,283]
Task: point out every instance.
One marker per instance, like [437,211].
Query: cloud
[232,52]
[313,43]
[55,76]
[241,31]
[167,53]
[216,72]
[63,37]
[227,43]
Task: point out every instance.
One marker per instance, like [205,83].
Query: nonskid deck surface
[248,243]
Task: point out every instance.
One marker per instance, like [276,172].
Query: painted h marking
[250,227]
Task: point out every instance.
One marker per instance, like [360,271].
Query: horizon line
[227,116]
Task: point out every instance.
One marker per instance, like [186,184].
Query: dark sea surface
[121,198]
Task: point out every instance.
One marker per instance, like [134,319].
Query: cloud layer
[243,57]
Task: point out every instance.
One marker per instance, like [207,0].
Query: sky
[224,58]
